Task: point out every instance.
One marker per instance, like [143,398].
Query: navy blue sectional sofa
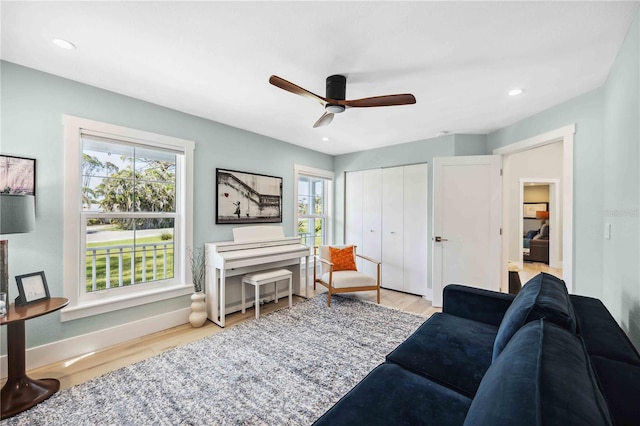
[543,357]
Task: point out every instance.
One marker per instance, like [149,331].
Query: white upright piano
[254,248]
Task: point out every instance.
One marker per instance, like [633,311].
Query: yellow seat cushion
[343,259]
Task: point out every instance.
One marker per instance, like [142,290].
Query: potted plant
[198,315]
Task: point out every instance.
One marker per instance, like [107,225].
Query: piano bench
[266,277]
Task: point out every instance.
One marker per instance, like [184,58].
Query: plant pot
[198,315]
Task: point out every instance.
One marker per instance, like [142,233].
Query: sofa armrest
[476,304]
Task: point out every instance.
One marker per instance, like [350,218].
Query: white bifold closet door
[386,216]
[371,219]
[353,212]
[393,228]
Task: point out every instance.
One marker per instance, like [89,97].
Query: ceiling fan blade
[326,118]
[376,101]
[295,89]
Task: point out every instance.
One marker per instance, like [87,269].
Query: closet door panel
[415,228]
[353,210]
[392,228]
[371,219]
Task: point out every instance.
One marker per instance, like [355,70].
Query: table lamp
[543,216]
[17,215]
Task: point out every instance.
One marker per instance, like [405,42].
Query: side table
[22,392]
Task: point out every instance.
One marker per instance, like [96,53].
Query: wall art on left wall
[17,175]
[244,197]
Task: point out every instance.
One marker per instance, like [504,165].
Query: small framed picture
[32,288]
[17,175]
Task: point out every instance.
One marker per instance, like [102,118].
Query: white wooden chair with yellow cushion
[339,273]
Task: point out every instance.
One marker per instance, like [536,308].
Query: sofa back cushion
[543,296]
[542,377]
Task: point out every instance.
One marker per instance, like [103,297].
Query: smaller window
[313,191]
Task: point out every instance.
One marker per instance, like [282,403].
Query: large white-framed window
[127,217]
[313,195]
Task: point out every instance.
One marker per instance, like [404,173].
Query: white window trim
[319,173]
[72,244]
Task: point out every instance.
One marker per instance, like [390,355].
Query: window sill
[114,303]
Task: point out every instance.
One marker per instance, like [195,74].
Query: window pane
[122,178]
[154,197]
[312,209]
[109,194]
[303,205]
[124,252]
[318,231]
[161,162]
[303,195]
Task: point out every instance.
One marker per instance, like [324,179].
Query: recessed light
[515,92]
[325,138]
[63,44]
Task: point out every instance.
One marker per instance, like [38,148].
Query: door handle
[439,239]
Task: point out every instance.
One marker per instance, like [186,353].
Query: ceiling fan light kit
[335,102]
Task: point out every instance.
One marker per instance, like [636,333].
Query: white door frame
[564,134]
[554,218]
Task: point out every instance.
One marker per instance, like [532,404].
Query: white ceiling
[214,59]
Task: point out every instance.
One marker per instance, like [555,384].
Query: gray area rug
[286,368]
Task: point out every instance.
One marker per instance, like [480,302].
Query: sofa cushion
[453,351]
[542,377]
[476,304]
[620,384]
[543,296]
[393,395]
[600,331]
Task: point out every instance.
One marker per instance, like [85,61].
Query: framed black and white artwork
[244,197]
[17,175]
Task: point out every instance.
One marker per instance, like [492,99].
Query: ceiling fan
[334,102]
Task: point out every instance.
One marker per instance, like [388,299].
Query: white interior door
[392,228]
[371,219]
[416,189]
[467,216]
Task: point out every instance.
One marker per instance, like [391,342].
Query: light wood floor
[531,269]
[82,368]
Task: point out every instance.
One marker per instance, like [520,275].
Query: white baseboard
[428,295]
[86,343]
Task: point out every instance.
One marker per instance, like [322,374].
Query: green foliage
[166,236]
[149,187]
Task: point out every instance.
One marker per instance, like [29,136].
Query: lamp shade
[542,215]
[17,213]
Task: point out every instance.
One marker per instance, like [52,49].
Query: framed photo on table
[32,288]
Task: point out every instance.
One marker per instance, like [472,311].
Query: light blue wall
[32,107]
[422,151]
[606,182]
[586,112]
[621,166]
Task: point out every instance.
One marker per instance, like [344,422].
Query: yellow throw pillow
[342,259]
